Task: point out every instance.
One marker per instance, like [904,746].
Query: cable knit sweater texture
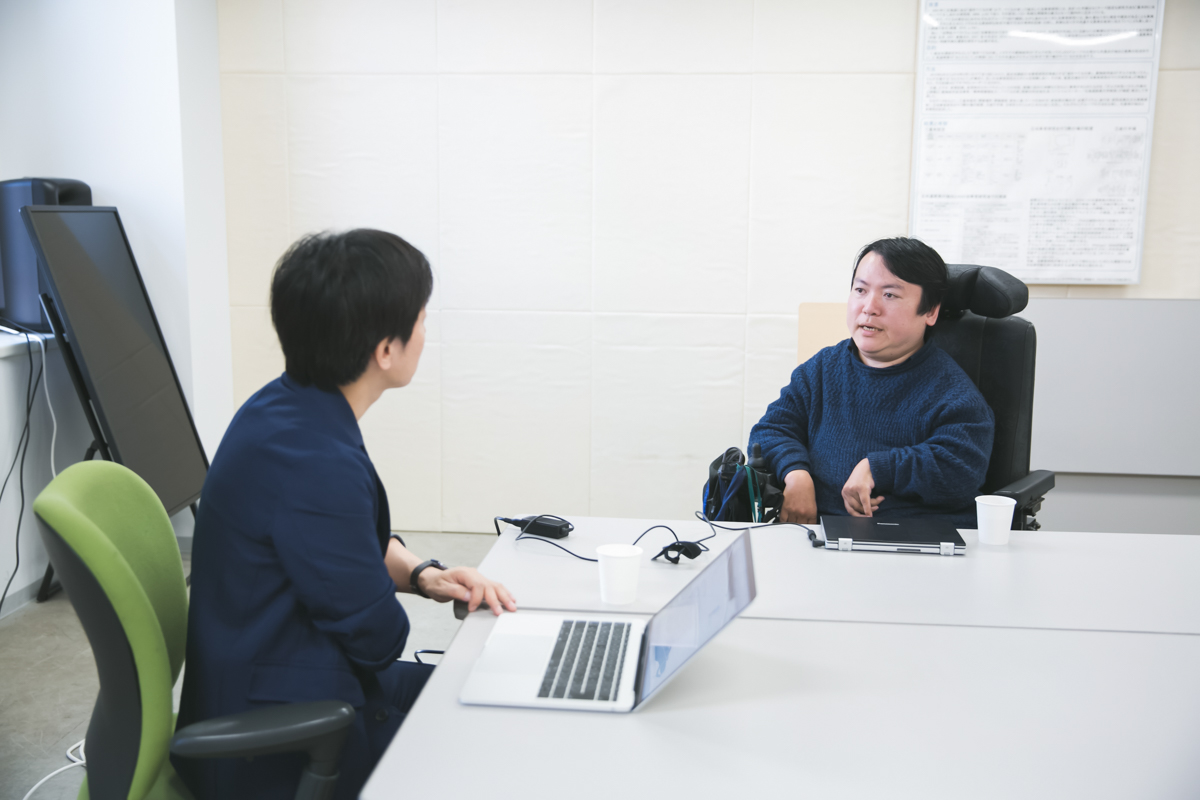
[924,427]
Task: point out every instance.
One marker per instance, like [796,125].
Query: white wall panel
[254,135]
[674,35]
[516,192]
[865,36]
[207,249]
[830,174]
[360,36]
[258,358]
[770,359]
[403,435]
[671,176]
[514,35]
[362,151]
[1181,35]
[667,396]
[515,416]
[251,35]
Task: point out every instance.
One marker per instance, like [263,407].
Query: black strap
[416,573]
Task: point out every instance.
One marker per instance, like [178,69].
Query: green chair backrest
[114,522]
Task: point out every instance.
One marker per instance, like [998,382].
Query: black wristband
[416,573]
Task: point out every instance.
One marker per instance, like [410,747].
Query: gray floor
[48,678]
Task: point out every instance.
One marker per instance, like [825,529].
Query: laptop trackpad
[516,653]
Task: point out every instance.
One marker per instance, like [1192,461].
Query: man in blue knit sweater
[882,423]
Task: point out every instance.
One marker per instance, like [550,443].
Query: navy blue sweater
[924,427]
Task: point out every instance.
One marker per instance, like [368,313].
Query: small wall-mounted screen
[114,335]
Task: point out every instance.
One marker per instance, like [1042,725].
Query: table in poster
[892,694]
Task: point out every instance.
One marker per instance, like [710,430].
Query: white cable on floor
[79,759]
[51,775]
[76,761]
[53,420]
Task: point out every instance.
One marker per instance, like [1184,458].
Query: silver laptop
[603,661]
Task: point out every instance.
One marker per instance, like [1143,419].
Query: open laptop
[906,535]
[608,662]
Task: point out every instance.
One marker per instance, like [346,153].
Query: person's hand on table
[468,585]
[857,492]
[799,498]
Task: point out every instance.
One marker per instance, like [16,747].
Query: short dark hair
[336,296]
[912,261]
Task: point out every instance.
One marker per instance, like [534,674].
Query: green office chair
[113,547]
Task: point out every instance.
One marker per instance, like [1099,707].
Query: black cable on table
[556,544]
[812,535]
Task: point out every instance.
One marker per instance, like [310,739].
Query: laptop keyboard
[587,660]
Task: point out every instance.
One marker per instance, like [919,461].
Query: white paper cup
[995,515]
[619,565]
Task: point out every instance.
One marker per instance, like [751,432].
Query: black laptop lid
[905,530]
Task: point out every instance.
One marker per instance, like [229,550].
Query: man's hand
[857,491]
[456,583]
[799,498]
[465,583]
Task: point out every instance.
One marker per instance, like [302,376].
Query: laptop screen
[706,605]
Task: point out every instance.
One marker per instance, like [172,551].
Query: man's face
[882,314]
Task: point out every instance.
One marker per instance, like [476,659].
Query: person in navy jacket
[294,566]
[883,422]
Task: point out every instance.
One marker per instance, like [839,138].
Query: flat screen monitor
[114,337]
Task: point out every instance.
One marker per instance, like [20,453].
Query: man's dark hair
[912,261]
[335,296]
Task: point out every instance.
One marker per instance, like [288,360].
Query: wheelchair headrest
[986,291]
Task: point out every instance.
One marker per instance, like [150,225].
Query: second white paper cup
[995,515]
[619,564]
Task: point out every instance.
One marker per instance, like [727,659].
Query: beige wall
[624,202]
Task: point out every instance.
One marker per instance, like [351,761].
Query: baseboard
[19,598]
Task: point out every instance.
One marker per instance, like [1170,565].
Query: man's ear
[384,353]
[931,316]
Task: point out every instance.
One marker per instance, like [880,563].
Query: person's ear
[932,315]
[384,353]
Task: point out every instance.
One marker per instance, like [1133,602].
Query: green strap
[755,494]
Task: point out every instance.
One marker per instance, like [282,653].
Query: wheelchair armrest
[1030,489]
[318,728]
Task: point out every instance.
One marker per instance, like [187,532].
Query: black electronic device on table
[114,350]
[903,535]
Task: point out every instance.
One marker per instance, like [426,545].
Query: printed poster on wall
[1031,141]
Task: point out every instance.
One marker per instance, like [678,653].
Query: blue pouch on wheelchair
[738,491]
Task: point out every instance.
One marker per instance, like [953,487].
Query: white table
[1062,666]
[1043,579]
[834,709]
[542,576]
